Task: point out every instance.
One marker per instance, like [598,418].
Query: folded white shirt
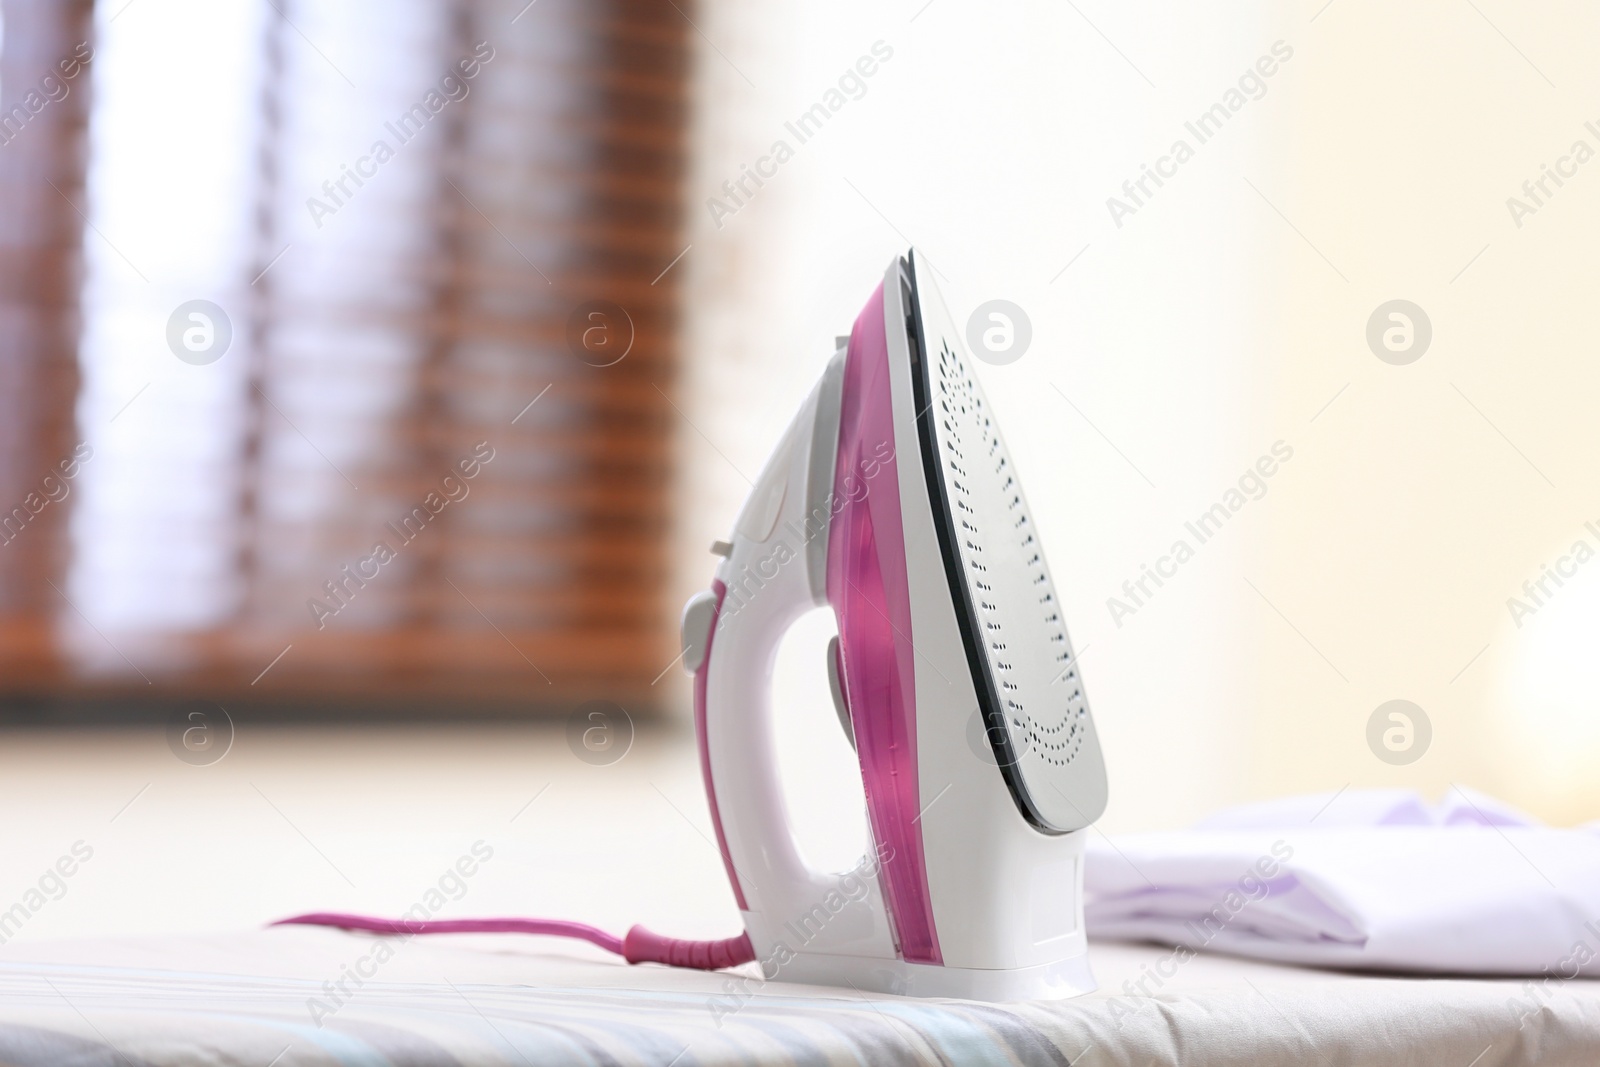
[1367,879]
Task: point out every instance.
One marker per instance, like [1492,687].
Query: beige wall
[1430,491]
[1217,320]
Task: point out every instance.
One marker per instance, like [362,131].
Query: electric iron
[892,499]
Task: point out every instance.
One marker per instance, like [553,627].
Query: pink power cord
[639,946]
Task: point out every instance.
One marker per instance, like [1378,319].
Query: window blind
[344,347]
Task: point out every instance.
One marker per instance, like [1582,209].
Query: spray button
[698,616]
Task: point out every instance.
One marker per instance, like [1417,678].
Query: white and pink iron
[893,500]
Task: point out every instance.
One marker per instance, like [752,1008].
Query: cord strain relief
[644,946]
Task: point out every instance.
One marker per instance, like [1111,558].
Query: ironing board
[255,1000]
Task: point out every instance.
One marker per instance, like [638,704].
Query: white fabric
[1370,879]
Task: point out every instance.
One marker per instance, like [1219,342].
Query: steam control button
[836,687]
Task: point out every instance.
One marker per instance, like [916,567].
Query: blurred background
[393,212]
[430,238]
